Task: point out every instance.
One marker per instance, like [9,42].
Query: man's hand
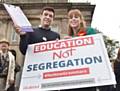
[11,82]
[18,30]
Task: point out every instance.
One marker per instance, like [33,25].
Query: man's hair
[49,9]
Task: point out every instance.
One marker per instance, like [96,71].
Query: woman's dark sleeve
[23,43]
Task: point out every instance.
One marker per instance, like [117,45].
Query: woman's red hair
[76,12]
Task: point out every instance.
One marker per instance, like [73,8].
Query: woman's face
[74,21]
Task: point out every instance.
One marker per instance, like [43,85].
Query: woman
[77,27]
[117,71]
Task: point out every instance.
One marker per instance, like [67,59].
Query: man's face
[46,18]
[4,46]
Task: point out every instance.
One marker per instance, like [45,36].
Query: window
[14,36]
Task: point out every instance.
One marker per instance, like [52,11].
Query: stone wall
[32,11]
[34,1]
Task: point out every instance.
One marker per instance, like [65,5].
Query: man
[7,67]
[40,34]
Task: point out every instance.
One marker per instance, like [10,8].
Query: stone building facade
[32,11]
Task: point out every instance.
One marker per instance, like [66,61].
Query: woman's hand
[67,37]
